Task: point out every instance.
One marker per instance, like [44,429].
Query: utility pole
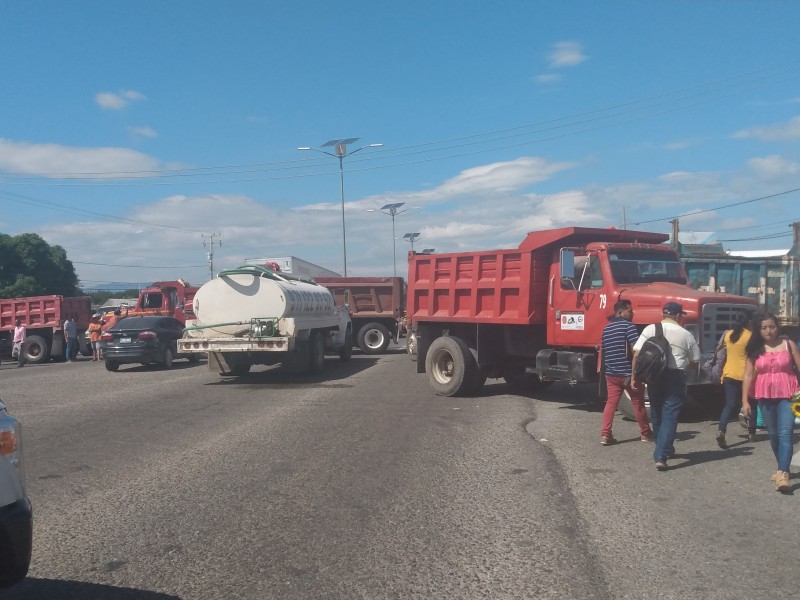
[210,245]
[674,223]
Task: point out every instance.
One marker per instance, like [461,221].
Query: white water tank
[240,297]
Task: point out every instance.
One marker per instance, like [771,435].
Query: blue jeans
[72,348]
[666,400]
[779,419]
[733,401]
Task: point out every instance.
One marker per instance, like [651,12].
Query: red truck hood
[648,299]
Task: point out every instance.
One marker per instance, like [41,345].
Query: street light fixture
[340,152]
[411,237]
[428,250]
[392,211]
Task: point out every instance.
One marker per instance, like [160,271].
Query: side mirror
[567,264]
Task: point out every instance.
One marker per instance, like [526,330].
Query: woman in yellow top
[734,341]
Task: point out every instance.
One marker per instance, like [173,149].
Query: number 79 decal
[602,300]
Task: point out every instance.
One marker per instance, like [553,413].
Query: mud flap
[217,363]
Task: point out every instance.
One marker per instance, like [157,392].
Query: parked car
[143,340]
[16,516]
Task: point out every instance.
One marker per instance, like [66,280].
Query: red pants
[616,385]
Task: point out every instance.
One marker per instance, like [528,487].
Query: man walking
[668,393]
[19,342]
[71,337]
[618,339]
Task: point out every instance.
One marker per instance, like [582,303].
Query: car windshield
[136,323]
[645,266]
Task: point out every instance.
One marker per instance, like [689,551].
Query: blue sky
[129,130]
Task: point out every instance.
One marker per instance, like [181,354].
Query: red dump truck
[377,307]
[43,317]
[536,313]
[168,298]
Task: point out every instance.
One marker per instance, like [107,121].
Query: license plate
[124,340]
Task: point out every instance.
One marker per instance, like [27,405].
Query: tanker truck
[535,313]
[252,315]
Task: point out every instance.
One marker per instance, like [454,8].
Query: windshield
[645,266]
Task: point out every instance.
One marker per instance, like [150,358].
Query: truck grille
[716,320]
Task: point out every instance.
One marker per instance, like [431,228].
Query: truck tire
[346,350]
[316,353]
[193,358]
[112,365]
[411,345]
[373,338]
[35,349]
[451,368]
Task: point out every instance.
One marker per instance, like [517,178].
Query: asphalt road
[360,483]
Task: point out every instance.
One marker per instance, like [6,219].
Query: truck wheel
[316,357]
[373,338]
[193,358]
[35,349]
[451,368]
[346,351]
[411,345]
[112,365]
[168,357]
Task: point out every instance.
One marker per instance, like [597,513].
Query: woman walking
[734,341]
[772,365]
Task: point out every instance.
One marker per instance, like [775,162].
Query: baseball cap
[673,308]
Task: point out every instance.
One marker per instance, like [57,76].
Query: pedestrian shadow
[691,459]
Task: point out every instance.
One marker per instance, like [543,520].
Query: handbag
[714,365]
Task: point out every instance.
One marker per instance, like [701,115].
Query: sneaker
[782,482]
[648,437]
[607,440]
[743,421]
[721,440]
[661,465]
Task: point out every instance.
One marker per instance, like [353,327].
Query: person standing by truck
[19,342]
[772,365]
[618,339]
[95,331]
[668,392]
[734,341]
[71,337]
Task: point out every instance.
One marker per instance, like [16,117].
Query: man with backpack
[661,356]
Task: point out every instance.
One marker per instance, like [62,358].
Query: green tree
[29,266]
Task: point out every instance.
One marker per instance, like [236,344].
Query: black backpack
[652,359]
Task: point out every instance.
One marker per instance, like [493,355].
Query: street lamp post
[392,211]
[340,149]
[411,237]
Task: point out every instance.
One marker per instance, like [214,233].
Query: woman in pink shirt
[772,366]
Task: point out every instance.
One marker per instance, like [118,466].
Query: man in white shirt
[19,342]
[668,394]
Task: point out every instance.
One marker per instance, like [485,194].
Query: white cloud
[566,54]
[117,100]
[53,160]
[772,167]
[143,132]
[772,133]
[549,78]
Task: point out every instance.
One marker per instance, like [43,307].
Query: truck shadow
[334,370]
[49,589]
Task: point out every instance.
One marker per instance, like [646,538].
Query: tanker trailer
[252,315]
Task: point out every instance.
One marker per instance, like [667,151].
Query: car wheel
[168,357]
[112,365]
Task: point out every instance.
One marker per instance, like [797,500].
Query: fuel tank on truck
[239,295]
